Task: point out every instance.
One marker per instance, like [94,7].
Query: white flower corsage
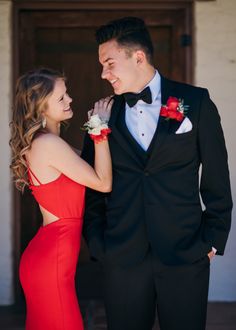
[97,128]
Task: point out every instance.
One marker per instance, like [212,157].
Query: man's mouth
[66,110]
[113,81]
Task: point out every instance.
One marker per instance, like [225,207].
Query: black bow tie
[132,98]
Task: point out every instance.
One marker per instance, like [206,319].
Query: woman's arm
[51,155]
[65,160]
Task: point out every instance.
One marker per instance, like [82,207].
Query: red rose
[174,109]
[164,112]
[179,116]
[172,103]
[175,115]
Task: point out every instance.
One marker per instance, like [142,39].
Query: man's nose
[104,73]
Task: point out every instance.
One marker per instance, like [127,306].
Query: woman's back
[61,197]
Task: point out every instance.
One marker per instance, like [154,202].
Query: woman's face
[58,104]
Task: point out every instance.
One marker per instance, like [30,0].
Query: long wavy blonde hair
[32,92]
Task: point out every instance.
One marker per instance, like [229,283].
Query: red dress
[48,264]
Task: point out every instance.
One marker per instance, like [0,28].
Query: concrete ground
[221,316]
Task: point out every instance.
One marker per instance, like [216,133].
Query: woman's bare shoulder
[47,140]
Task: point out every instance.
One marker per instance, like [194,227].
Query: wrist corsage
[97,129]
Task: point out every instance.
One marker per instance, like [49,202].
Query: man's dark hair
[129,32]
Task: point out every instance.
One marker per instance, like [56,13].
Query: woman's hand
[102,108]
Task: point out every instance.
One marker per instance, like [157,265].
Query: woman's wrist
[97,128]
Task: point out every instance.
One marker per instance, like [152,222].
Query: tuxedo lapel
[163,126]
[119,106]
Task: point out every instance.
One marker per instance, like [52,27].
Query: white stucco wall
[216,69]
[6,242]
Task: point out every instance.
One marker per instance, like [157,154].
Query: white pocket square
[185,127]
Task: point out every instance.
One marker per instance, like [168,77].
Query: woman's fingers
[103,108]
[90,113]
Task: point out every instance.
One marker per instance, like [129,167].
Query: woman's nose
[69,99]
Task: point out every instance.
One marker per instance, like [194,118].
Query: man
[153,237]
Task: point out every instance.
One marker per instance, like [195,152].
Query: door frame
[86,6]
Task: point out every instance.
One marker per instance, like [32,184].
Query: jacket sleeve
[214,184]
[95,210]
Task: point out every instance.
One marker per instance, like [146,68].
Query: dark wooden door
[64,40]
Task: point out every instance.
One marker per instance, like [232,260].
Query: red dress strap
[31,173]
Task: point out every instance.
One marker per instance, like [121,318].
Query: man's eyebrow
[108,59]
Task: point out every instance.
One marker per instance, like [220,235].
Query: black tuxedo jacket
[155,199]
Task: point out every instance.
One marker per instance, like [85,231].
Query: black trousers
[178,294]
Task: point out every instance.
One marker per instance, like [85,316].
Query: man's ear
[140,57]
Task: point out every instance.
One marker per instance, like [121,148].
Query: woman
[57,177]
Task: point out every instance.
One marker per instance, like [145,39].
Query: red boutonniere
[174,109]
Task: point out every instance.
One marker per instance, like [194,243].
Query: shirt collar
[155,86]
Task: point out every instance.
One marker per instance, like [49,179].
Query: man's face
[119,69]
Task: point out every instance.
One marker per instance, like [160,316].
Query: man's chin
[117,92]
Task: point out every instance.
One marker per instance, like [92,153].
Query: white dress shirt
[142,119]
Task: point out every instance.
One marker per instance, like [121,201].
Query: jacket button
[146,173]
